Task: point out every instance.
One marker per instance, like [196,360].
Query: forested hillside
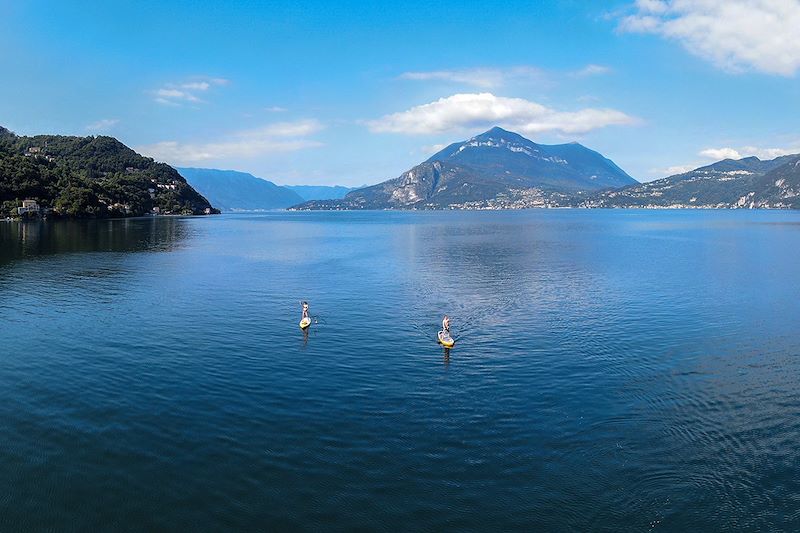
[89,177]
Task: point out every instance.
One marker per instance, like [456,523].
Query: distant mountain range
[320,192]
[88,177]
[231,190]
[497,169]
[743,183]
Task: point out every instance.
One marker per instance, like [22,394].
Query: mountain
[230,190]
[747,182]
[320,192]
[504,155]
[496,169]
[779,188]
[89,177]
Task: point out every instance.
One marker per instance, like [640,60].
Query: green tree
[78,202]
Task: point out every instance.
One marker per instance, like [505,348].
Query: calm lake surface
[614,370]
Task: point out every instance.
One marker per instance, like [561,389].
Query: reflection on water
[32,239]
[614,370]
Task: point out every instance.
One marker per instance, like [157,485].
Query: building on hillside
[28,206]
[122,208]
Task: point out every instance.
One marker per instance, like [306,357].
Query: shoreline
[55,219]
[397,210]
[609,208]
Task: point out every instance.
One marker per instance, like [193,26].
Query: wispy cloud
[104,124]
[275,109]
[495,77]
[720,153]
[592,70]
[271,138]
[747,151]
[196,86]
[671,171]
[176,94]
[735,35]
[462,112]
[482,77]
[771,153]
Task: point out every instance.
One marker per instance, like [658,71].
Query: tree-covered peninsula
[88,177]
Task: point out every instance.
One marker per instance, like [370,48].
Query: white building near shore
[28,206]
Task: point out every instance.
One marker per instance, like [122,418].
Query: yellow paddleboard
[446,341]
[305,323]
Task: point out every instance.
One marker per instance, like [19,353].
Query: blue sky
[357,92]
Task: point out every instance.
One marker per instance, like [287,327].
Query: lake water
[617,370]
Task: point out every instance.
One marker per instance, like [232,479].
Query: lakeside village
[31,210]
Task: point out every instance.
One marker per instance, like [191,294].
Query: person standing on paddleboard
[446,326]
[305,311]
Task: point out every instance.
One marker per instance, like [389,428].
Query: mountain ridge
[321,192]
[730,183]
[233,190]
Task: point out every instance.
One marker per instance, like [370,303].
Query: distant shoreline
[396,210]
[607,208]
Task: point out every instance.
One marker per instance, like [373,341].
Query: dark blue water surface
[614,370]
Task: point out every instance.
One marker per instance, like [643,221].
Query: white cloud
[770,153]
[470,111]
[735,35]
[677,169]
[196,86]
[104,124]
[592,70]
[272,138]
[652,6]
[720,153]
[658,173]
[747,151]
[483,77]
[176,94]
[275,109]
